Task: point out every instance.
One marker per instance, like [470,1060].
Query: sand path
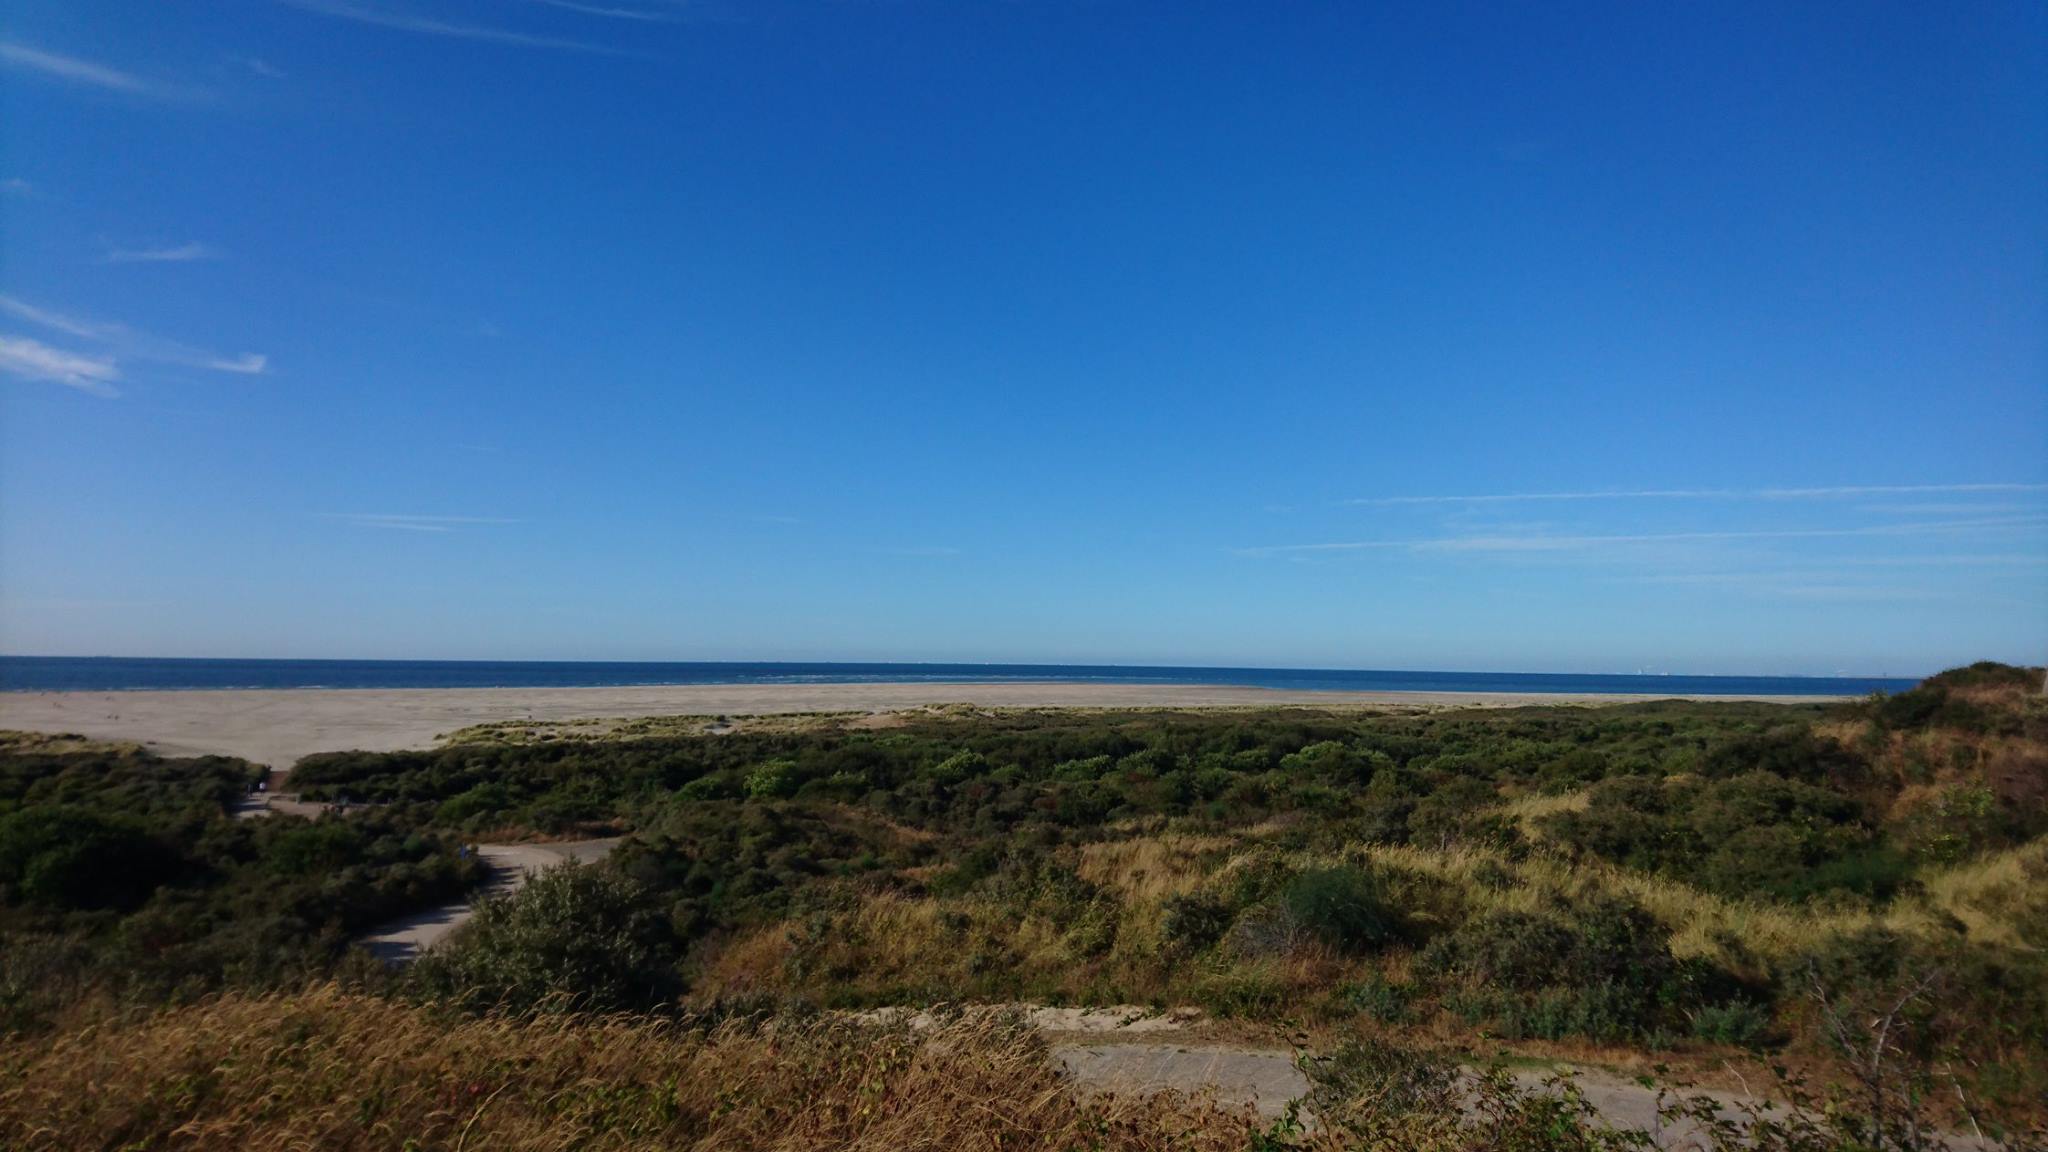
[401,941]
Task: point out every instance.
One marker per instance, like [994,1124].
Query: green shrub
[1604,1012]
[1346,907]
[1379,998]
[1252,994]
[1737,1022]
[67,857]
[1602,968]
[1383,1096]
[1451,812]
[322,846]
[1748,834]
[574,937]
[771,781]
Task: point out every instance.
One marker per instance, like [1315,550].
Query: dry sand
[278,726]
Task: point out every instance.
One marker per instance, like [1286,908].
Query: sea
[118,674]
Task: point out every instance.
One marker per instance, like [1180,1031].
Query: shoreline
[278,726]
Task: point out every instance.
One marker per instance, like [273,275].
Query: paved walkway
[1267,1080]
[1132,1050]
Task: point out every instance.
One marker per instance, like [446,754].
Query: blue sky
[1703,338]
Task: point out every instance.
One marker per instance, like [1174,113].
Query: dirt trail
[402,941]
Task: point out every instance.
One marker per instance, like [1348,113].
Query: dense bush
[991,774]
[125,871]
[1739,835]
[574,938]
[720,863]
[1600,968]
[64,856]
[1191,922]
[1345,907]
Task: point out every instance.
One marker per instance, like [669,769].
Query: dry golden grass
[1696,918]
[1152,868]
[327,1069]
[1528,811]
[1984,894]
[886,945]
[1977,894]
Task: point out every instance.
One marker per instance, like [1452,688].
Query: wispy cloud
[16,186]
[1846,490]
[1948,559]
[34,360]
[1792,586]
[70,69]
[611,11]
[167,254]
[247,364]
[405,522]
[403,21]
[1892,490]
[1943,507]
[1548,542]
[122,340]
[261,67]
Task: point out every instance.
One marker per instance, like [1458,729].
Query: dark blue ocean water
[107,674]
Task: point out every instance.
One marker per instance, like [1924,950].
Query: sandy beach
[278,726]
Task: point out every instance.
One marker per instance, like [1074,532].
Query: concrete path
[1267,1080]
[402,941]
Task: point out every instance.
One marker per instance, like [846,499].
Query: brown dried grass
[330,1069]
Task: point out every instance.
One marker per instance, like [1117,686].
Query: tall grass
[328,1069]
[879,947]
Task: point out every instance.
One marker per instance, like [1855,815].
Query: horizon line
[972,664]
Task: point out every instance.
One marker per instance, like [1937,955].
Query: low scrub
[574,938]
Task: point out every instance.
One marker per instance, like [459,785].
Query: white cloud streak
[405,522]
[611,12]
[261,67]
[170,254]
[1543,542]
[1794,586]
[430,26]
[122,340]
[70,69]
[1847,490]
[34,360]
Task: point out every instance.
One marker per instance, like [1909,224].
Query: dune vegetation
[1692,885]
